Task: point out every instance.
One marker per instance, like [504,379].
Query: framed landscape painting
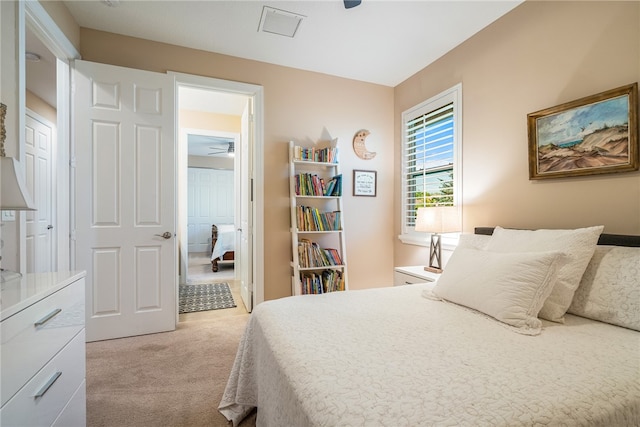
[593,135]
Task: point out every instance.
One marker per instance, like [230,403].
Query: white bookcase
[319,259]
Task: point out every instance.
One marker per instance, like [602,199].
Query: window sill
[449,241]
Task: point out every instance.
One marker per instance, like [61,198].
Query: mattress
[390,357]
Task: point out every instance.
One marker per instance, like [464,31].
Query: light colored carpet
[199,270]
[168,379]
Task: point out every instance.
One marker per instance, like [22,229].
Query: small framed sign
[364,183]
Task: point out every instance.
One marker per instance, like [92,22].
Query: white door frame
[255,92]
[32,14]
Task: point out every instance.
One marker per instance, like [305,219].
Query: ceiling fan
[229,149]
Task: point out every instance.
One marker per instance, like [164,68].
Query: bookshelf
[317,235]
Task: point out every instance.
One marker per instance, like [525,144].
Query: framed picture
[593,135]
[364,183]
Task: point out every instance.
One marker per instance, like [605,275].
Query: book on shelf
[311,255]
[334,186]
[312,219]
[309,184]
[320,283]
[321,155]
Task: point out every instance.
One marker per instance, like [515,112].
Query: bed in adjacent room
[471,349]
[223,244]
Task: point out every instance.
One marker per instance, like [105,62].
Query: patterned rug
[211,296]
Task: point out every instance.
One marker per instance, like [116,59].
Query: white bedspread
[389,357]
[226,240]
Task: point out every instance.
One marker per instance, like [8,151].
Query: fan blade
[348,4]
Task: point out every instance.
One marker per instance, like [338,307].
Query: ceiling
[379,41]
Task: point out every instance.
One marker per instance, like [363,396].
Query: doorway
[215,128]
[44,99]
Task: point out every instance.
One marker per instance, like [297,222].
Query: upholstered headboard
[605,239]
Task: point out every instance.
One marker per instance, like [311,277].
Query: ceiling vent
[280,22]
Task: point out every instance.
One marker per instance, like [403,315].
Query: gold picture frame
[3,130]
[593,135]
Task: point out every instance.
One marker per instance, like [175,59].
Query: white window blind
[430,155]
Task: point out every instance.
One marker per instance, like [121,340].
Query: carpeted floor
[171,379]
[205,296]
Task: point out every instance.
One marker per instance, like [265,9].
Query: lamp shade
[13,191]
[438,219]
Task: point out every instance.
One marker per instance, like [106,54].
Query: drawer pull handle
[48,317]
[49,383]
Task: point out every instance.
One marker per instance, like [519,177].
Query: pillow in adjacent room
[610,287]
[510,287]
[578,245]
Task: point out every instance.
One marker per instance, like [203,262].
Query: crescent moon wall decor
[359,146]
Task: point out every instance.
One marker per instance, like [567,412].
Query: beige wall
[539,55]
[38,105]
[209,121]
[304,107]
[63,19]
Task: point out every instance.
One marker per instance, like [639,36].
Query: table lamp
[437,220]
[13,191]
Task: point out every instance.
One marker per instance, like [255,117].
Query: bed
[406,356]
[223,242]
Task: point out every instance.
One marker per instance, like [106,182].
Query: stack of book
[328,281]
[311,219]
[308,184]
[322,155]
[311,255]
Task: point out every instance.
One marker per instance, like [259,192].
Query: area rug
[210,296]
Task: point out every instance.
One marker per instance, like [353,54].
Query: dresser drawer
[75,413]
[25,409]
[26,345]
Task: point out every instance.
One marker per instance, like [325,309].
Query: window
[431,145]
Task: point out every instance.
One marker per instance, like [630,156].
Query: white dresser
[43,350]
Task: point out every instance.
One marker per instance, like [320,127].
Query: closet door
[125,199]
[40,174]
[211,201]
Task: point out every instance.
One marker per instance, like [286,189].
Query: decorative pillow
[578,245]
[510,287]
[474,241]
[610,288]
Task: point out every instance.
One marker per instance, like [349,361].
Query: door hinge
[251,189]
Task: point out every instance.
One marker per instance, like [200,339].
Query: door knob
[166,235]
[49,227]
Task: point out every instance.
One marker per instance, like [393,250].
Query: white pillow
[510,287]
[610,287]
[578,245]
[474,241]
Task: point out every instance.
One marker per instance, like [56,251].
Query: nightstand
[412,274]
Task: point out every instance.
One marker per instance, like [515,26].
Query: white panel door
[210,201]
[125,199]
[40,178]
[199,200]
[245,236]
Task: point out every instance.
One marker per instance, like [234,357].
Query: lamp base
[433,270]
